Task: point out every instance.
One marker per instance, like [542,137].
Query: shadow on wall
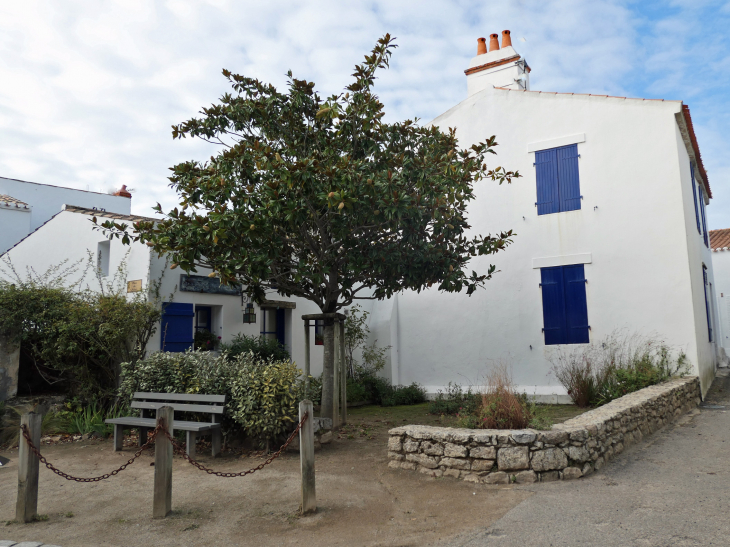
[9,367]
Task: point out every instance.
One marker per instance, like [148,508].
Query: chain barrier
[180,450]
[150,441]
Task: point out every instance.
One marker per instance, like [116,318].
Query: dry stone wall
[569,450]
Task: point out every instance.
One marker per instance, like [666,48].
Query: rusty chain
[150,441]
[180,450]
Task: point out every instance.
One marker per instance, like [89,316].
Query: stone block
[430,472]
[483,452]
[455,473]
[422,459]
[455,463]
[498,477]
[432,449]
[455,450]
[524,477]
[472,477]
[395,444]
[411,446]
[579,435]
[397,456]
[554,437]
[587,469]
[482,465]
[570,473]
[523,437]
[549,459]
[326,437]
[550,476]
[578,454]
[513,458]
[483,438]
[408,465]
[393,464]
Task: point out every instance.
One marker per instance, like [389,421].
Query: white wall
[14,226]
[631,222]
[721,269]
[47,200]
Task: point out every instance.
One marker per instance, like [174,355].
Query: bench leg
[190,437]
[142,436]
[216,438]
[118,437]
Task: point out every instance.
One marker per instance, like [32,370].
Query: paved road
[673,489]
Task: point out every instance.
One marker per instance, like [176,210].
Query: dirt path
[360,500]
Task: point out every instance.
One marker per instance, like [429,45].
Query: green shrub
[403,395]
[205,340]
[263,348]
[453,401]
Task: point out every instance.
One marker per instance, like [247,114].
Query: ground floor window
[564,305]
[707,303]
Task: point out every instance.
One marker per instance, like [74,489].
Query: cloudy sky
[89,90]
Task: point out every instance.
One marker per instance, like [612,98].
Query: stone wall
[569,450]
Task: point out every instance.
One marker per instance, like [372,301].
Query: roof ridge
[587,95]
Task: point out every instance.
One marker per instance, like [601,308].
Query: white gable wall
[639,274]
[14,225]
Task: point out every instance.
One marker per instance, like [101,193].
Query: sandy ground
[360,500]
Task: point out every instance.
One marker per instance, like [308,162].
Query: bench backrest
[180,402]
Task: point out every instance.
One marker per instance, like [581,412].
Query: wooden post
[306,359]
[162,500]
[337,382]
[306,455]
[343,374]
[26,507]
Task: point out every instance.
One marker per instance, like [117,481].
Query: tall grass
[596,374]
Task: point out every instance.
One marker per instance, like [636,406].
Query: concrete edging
[569,450]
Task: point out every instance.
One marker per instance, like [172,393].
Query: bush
[403,395]
[368,386]
[454,401]
[206,340]
[622,363]
[263,348]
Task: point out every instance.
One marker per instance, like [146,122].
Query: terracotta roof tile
[720,239]
[9,200]
[106,214]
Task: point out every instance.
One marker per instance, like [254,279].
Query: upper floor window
[694,195]
[699,196]
[558,182]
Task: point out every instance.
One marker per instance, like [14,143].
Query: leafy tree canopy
[322,199]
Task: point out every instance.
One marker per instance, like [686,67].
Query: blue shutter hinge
[589,327]
[543,330]
[539,284]
[579,155]
[581,197]
[534,164]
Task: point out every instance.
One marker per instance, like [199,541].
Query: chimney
[123,192]
[498,67]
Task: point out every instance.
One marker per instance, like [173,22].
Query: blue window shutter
[568,179]
[707,303]
[553,306]
[546,172]
[702,211]
[694,195]
[576,308]
[176,332]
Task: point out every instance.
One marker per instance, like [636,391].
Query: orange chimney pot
[123,192]
[481,46]
[506,38]
[493,42]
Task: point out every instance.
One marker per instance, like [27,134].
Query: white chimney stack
[498,67]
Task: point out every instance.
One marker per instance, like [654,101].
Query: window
[564,307]
[558,183]
[203,316]
[102,257]
[694,195]
[707,302]
[702,214]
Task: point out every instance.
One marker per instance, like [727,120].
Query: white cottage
[720,245]
[610,229]
[190,302]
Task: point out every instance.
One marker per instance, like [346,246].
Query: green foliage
[412,394]
[74,337]
[205,340]
[265,396]
[368,386]
[263,348]
[357,333]
[322,199]
[454,401]
[596,374]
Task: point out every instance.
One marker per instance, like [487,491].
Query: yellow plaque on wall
[134,286]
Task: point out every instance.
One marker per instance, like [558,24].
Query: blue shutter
[176,333]
[702,211]
[707,303]
[694,195]
[576,308]
[568,179]
[546,171]
[553,306]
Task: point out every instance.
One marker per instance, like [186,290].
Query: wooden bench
[148,403]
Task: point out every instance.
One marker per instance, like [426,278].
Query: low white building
[720,245]
[190,302]
[610,229]
[24,206]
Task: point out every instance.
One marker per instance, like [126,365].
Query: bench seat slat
[178,407]
[183,397]
[151,423]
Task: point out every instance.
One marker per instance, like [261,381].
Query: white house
[720,245]
[610,229]
[24,206]
[190,303]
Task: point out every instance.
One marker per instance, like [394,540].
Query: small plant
[39,518]
[206,340]
[69,515]
[263,348]
[453,401]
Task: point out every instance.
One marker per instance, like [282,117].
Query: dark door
[280,326]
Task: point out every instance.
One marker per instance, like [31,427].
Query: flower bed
[569,450]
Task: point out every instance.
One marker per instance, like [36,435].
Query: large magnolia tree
[323,200]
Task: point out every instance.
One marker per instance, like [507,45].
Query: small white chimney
[498,67]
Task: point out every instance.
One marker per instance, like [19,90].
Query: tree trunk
[328,370]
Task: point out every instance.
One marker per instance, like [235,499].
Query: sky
[89,90]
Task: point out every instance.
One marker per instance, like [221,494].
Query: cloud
[91,89]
